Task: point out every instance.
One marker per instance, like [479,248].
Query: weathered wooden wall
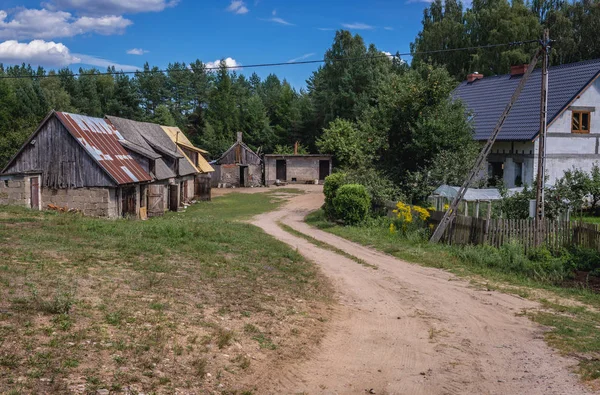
[240,154]
[61,160]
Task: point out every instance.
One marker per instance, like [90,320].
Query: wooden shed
[238,167]
[76,162]
[173,174]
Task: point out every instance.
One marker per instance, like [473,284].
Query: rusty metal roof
[102,141]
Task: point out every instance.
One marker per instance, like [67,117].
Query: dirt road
[406,329]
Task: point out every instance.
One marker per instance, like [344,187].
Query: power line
[259,65]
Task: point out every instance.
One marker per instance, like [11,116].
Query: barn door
[281,170]
[323,169]
[128,202]
[155,201]
[173,201]
[242,176]
[35,192]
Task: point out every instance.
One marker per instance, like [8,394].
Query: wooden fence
[497,232]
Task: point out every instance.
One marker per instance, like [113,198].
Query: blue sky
[78,33]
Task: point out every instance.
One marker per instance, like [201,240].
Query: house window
[580,122]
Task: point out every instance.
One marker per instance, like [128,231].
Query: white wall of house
[564,149]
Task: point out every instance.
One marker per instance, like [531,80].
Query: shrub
[380,187]
[352,203]
[332,183]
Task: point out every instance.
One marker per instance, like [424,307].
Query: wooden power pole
[482,158]
[541,165]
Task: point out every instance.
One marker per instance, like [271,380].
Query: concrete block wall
[230,174]
[15,190]
[94,202]
[254,176]
[302,169]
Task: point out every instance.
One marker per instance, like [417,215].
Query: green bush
[352,203]
[332,183]
[380,187]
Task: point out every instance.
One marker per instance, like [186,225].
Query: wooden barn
[76,162]
[174,176]
[238,167]
[202,182]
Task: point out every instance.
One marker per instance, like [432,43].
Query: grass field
[158,305]
[573,313]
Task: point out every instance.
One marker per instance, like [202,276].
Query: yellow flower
[446,206]
[404,212]
[423,213]
[393,228]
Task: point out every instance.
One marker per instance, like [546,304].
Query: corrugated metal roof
[487,98]
[102,141]
[133,131]
[180,138]
[158,140]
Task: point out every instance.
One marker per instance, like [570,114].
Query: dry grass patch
[155,306]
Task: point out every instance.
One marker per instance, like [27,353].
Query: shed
[239,166]
[297,169]
[174,174]
[75,162]
[194,155]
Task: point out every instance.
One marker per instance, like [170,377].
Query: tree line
[392,126]
[448,24]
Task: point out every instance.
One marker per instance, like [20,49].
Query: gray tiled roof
[153,137]
[486,99]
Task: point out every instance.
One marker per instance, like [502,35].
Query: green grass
[132,292]
[574,330]
[325,246]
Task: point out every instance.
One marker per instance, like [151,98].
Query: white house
[573,122]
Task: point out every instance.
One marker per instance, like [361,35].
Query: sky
[128,33]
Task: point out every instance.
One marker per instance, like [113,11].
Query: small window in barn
[580,122]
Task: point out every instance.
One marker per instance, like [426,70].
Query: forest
[391,123]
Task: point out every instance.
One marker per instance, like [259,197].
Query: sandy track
[406,329]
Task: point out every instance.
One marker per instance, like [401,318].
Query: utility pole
[482,158]
[541,167]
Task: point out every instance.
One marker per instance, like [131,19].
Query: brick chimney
[474,76]
[239,137]
[296,148]
[519,69]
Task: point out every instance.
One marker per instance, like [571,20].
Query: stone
[103,392]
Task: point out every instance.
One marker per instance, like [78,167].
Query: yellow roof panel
[203,165]
[180,138]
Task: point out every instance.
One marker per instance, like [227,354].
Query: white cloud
[276,19]
[49,53]
[229,62]
[111,7]
[357,26]
[326,29]
[388,28]
[136,51]
[104,63]
[305,56]
[238,7]
[37,52]
[388,54]
[29,23]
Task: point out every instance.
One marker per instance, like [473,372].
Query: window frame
[580,116]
